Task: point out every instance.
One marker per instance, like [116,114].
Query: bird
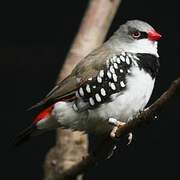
[106,89]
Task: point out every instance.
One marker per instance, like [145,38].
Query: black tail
[24,135]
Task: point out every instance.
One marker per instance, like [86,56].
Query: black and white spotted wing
[111,80]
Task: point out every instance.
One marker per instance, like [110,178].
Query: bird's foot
[117,124]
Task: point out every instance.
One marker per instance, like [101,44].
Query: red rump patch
[44,113]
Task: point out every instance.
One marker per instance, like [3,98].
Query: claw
[117,124]
[130,137]
[113,132]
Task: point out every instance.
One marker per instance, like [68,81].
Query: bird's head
[136,36]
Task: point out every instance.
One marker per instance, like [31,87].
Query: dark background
[34,40]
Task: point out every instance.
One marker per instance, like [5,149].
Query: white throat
[138,46]
[144,46]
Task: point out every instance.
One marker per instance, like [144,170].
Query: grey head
[135,36]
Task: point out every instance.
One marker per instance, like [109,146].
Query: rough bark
[72,146]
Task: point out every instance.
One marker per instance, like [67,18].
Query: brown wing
[87,68]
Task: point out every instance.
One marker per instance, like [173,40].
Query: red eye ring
[136,34]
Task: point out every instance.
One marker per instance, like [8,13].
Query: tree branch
[104,150]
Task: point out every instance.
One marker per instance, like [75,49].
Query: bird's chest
[127,103]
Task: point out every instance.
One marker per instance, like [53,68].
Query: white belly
[127,104]
[124,105]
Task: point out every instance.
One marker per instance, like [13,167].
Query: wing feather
[87,68]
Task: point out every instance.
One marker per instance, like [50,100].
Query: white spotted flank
[99,79]
[103,92]
[81,92]
[109,75]
[98,98]
[115,66]
[127,60]
[91,101]
[128,70]
[122,58]
[88,89]
[113,87]
[122,84]
[115,77]
[118,60]
[101,73]
[112,69]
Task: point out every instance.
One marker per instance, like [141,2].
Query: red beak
[153,35]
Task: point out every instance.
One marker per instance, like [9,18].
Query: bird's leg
[117,124]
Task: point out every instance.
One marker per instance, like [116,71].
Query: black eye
[136,34]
